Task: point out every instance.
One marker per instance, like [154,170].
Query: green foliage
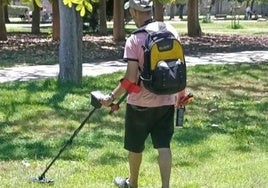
[235,24]
[30,2]
[81,5]
[256,1]
[180,1]
[16,10]
[164,2]
[38,3]
[205,20]
[263,1]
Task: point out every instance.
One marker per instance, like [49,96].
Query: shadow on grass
[229,100]
[25,104]
[230,97]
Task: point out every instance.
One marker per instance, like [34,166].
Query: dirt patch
[223,43]
[40,49]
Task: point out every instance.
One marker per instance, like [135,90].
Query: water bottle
[180,116]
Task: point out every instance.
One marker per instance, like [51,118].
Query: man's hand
[182,99]
[107,100]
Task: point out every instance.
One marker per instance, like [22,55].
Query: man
[146,112]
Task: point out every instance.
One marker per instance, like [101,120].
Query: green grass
[224,27]
[223,142]
[251,27]
[22,28]
[246,27]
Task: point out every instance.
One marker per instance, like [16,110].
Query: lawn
[247,27]
[223,142]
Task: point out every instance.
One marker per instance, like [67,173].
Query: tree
[70,53]
[172,11]
[102,17]
[71,32]
[158,8]
[252,7]
[181,7]
[158,11]
[36,17]
[3,31]
[194,29]
[180,4]
[55,20]
[118,29]
[212,3]
[37,5]
[6,13]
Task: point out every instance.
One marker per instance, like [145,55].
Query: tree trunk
[36,19]
[70,52]
[55,20]
[6,14]
[158,11]
[181,7]
[172,11]
[118,30]
[194,29]
[251,8]
[102,18]
[3,31]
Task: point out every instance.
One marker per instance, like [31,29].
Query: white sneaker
[122,182]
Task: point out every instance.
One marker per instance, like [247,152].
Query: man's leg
[164,161]
[134,167]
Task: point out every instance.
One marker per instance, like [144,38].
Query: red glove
[182,99]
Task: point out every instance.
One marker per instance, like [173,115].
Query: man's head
[139,5]
[140,10]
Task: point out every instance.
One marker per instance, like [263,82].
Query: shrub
[16,10]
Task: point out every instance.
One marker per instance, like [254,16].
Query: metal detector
[95,102]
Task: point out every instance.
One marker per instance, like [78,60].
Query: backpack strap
[142,27]
[150,27]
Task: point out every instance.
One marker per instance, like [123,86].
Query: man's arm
[130,75]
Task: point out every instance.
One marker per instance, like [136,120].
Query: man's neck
[145,21]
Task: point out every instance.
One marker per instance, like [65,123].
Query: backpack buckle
[146,79]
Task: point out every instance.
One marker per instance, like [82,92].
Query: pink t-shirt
[134,52]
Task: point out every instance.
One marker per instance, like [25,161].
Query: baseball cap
[140,5]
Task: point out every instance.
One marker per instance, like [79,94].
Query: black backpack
[164,70]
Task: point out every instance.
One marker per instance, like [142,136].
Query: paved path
[25,73]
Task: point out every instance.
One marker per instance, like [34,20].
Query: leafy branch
[81,5]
